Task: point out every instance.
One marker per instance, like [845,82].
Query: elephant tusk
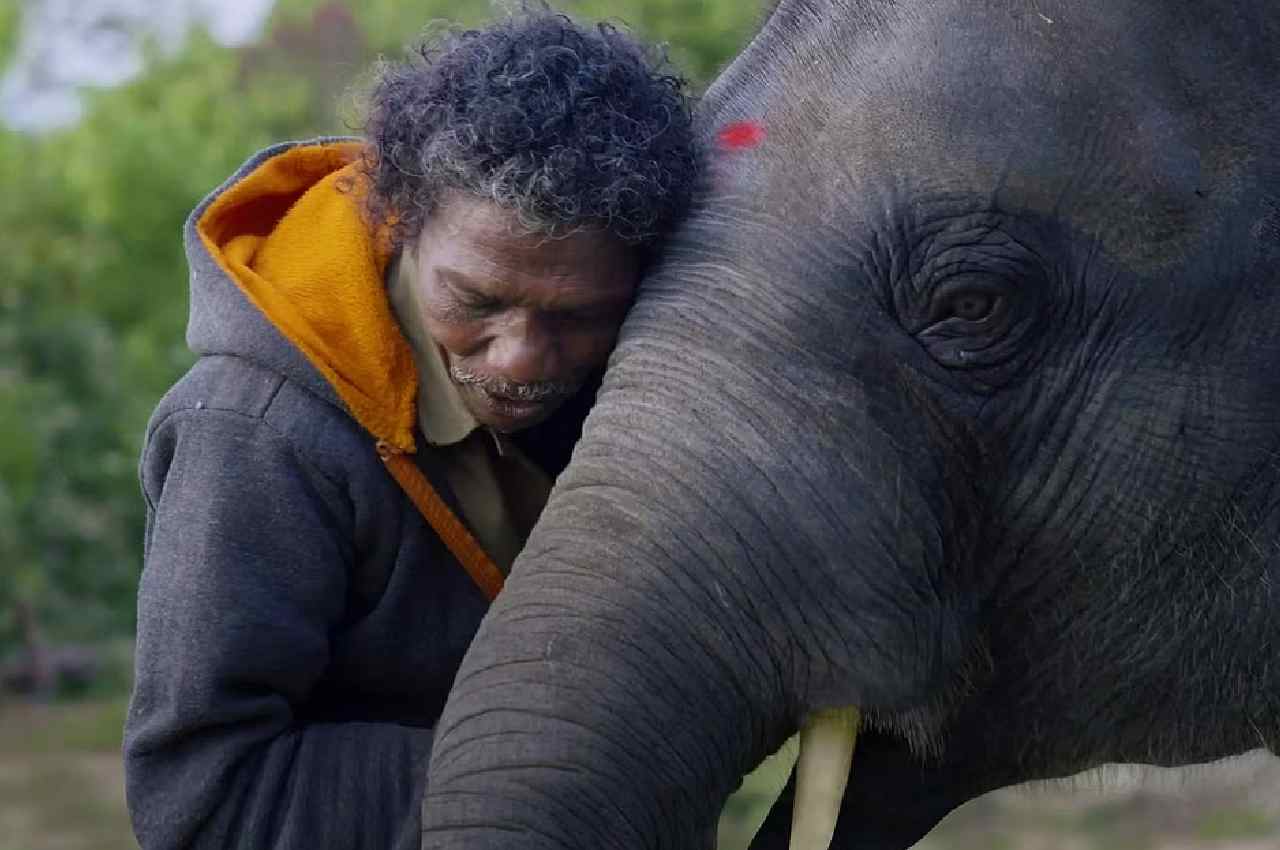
[827,739]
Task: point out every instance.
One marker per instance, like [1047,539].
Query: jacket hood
[286,272]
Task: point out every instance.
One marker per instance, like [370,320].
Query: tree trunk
[39,660]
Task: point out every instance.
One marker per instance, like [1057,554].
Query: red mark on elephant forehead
[741,135]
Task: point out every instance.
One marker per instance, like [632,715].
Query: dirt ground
[61,788]
[1231,806]
[61,783]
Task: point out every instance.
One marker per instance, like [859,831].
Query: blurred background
[116,117]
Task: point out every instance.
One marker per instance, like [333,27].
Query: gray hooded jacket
[299,623]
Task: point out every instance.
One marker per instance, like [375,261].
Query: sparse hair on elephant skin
[569,126]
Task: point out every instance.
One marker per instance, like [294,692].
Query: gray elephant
[957,400]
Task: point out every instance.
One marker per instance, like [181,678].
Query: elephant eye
[970,306]
[967,327]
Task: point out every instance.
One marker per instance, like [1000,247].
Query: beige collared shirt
[499,490]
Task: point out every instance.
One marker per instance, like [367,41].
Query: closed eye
[479,303]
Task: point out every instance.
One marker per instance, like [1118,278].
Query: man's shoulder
[220,383]
[236,388]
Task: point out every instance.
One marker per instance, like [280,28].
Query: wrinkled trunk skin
[688,594]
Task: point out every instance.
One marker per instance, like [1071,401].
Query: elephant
[955,399]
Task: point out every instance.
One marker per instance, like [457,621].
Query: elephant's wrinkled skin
[958,399]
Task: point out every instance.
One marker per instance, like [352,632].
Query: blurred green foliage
[93,292]
[8,30]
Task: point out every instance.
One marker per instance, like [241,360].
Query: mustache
[536,391]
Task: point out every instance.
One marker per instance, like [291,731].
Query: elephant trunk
[702,579]
[617,682]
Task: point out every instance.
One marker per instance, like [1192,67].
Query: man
[398,339]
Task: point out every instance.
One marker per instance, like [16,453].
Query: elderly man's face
[522,320]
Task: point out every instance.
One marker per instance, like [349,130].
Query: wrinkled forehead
[1084,114]
[1025,99]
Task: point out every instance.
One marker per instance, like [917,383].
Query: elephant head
[956,399]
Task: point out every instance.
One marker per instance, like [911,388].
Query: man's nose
[525,351]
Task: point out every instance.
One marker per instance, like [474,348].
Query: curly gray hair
[571,127]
